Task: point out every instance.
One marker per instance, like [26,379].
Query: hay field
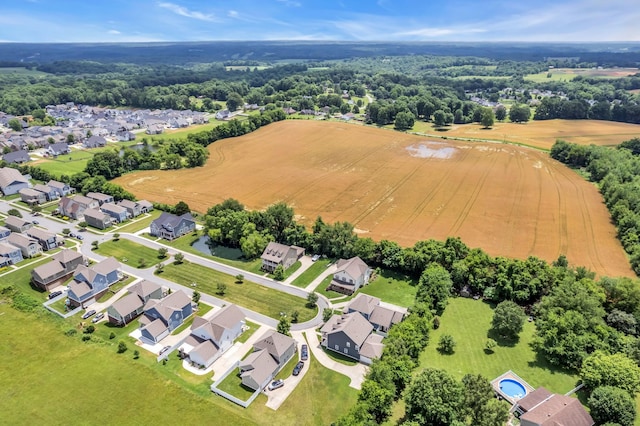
[567,74]
[541,134]
[509,200]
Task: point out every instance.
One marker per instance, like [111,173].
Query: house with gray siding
[100,197]
[131,306]
[47,240]
[351,335]
[270,353]
[91,282]
[170,226]
[97,219]
[12,181]
[49,192]
[9,254]
[118,213]
[163,316]
[29,246]
[32,197]
[59,148]
[381,317]
[17,224]
[351,275]
[276,254]
[63,189]
[4,233]
[17,157]
[58,270]
[133,208]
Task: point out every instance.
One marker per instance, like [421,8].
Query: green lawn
[305,278]
[248,294]
[115,288]
[253,327]
[21,279]
[128,252]
[287,370]
[329,294]
[67,164]
[393,288]
[140,222]
[339,357]
[468,321]
[180,133]
[232,384]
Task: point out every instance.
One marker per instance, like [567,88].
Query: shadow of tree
[502,340]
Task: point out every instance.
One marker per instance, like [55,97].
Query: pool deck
[513,376]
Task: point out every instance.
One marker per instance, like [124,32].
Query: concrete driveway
[278,396]
[355,372]
[305,262]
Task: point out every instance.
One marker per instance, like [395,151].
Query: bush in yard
[195,297]
[178,258]
[94,244]
[66,231]
[136,354]
[312,299]
[82,224]
[446,344]
[71,332]
[112,335]
[284,326]
[489,345]
[122,347]
[436,322]
[162,252]
[278,273]
[142,263]
[86,337]
[159,268]
[89,329]
[116,237]
[326,314]
[14,212]
[239,278]
[221,289]
[294,316]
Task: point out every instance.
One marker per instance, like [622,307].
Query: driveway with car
[278,396]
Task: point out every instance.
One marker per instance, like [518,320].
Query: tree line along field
[509,200]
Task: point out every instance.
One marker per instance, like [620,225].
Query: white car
[275,384]
[315,257]
[97,317]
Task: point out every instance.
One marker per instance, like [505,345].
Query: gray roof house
[49,192]
[350,335]
[47,240]
[97,219]
[129,307]
[75,207]
[134,209]
[29,246]
[90,282]
[9,254]
[17,157]
[279,254]
[118,213]
[17,224]
[351,275]
[55,272]
[382,318]
[59,148]
[100,197]
[542,408]
[11,181]
[170,226]
[63,189]
[94,141]
[210,338]
[271,352]
[31,196]
[163,316]
[4,233]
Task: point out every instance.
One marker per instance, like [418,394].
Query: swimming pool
[512,388]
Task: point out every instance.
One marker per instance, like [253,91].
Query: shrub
[294,316]
[14,212]
[122,347]
[221,289]
[112,335]
[89,329]
[326,314]
[446,344]
[239,278]
[312,299]
[136,354]
[71,332]
[86,337]
[178,258]
[436,322]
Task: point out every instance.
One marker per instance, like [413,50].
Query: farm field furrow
[509,200]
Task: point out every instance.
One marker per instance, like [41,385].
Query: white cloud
[233,14]
[183,11]
[114,32]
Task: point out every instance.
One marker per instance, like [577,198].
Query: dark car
[88,314]
[35,222]
[304,352]
[298,368]
[275,384]
[55,294]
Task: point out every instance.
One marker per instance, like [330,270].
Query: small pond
[205,246]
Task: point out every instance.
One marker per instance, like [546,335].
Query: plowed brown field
[509,200]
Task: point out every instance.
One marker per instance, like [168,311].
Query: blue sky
[360,20]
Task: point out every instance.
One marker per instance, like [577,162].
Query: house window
[346,351]
[337,348]
[348,344]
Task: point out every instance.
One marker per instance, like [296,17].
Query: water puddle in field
[439,150]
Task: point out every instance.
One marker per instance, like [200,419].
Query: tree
[162,252]
[239,278]
[326,314]
[294,316]
[434,398]
[94,244]
[14,212]
[434,287]
[439,118]
[378,400]
[278,273]
[116,237]
[142,262]
[83,225]
[609,404]
[159,266]
[66,231]
[35,209]
[480,404]
[15,124]
[600,369]
[234,101]
[181,208]
[501,113]
[487,118]
[283,326]
[519,113]
[195,297]
[221,289]
[446,344]
[312,299]
[71,138]
[136,354]
[489,345]
[107,164]
[178,258]
[122,347]
[404,120]
[508,320]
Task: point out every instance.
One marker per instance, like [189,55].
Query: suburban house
[170,226]
[17,224]
[131,306]
[61,188]
[75,207]
[351,275]
[145,206]
[29,246]
[351,335]
[118,213]
[163,316]
[17,157]
[270,353]
[380,317]
[4,233]
[210,338]
[223,114]
[59,148]
[47,240]
[55,272]
[100,197]
[134,209]
[97,219]
[49,192]
[9,254]
[279,254]
[542,408]
[11,181]
[31,196]
[94,141]
[90,282]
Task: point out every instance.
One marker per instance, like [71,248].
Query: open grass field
[305,278]
[181,133]
[83,377]
[540,134]
[21,71]
[509,200]
[67,164]
[130,253]
[393,288]
[568,74]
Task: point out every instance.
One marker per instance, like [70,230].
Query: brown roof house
[351,335]
[380,317]
[54,273]
[270,353]
[9,254]
[75,207]
[29,246]
[17,224]
[351,275]
[542,408]
[91,282]
[12,181]
[100,197]
[98,219]
[61,188]
[47,240]
[209,339]
[136,208]
[279,254]
[32,197]
[131,306]
[163,316]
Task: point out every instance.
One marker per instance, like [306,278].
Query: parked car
[315,257]
[72,235]
[80,237]
[55,294]
[35,222]
[97,317]
[304,352]
[275,384]
[298,368]
[163,350]
[88,314]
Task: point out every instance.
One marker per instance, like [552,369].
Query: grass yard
[67,164]
[248,294]
[253,327]
[115,288]
[140,223]
[305,278]
[468,321]
[393,288]
[203,308]
[128,252]
[339,357]
[232,384]
[21,279]
[181,133]
[329,294]
[287,370]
